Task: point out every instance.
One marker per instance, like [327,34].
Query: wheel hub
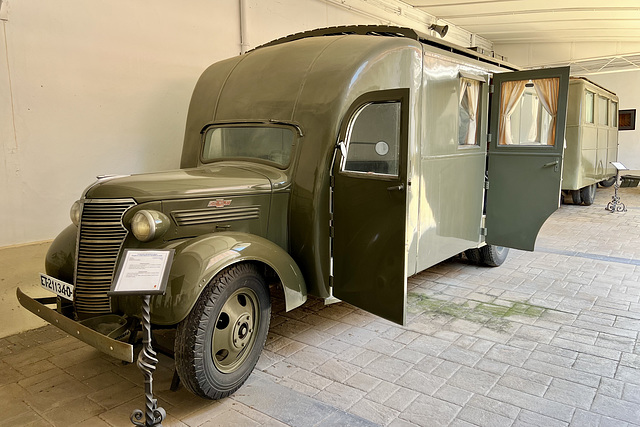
[242,331]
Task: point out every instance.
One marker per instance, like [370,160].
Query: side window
[373,139]
[528,112]
[588,107]
[614,114]
[468,111]
[603,111]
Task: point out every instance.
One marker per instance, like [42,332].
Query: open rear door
[370,205]
[527,127]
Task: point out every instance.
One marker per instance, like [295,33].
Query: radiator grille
[99,243]
[209,216]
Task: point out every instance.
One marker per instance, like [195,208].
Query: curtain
[470,88]
[509,98]
[547,90]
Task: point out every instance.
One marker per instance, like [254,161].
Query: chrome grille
[208,216]
[99,243]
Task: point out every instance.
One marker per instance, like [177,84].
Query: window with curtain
[588,107]
[468,111]
[528,112]
[603,111]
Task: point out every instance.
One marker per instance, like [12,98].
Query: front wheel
[493,256]
[218,344]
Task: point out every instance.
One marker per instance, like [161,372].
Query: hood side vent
[216,215]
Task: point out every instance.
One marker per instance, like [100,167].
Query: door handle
[396,188]
[555,164]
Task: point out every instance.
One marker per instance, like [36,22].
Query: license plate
[63,289]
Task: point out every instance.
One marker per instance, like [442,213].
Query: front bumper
[118,349]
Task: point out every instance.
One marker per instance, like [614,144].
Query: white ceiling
[522,21]
[613,25]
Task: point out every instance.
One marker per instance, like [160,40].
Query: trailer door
[527,126]
[369,205]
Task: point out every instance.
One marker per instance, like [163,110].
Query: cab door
[527,127]
[369,198]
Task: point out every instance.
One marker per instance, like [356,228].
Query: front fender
[60,259]
[198,260]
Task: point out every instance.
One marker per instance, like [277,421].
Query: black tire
[608,182]
[588,194]
[218,344]
[576,197]
[473,255]
[493,256]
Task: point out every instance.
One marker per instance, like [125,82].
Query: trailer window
[373,139]
[265,144]
[603,111]
[588,107]
[468,112]
[528,112]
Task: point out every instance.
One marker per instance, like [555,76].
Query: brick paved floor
[548,339]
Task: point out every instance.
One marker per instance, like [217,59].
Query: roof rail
[392,31]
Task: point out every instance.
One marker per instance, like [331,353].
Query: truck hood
[216,180]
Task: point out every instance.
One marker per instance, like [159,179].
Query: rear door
[527,126]
[369,205]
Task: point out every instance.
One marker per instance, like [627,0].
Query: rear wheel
[473,255]
[493,256]
[576,197]
[588,194]
[218,344]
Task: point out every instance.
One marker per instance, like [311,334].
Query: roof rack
[392,31]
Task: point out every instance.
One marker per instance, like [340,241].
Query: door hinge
[331,281]
[331,231]
[488,137]
[492,88]
[486,185]
[332,181]
[483,231]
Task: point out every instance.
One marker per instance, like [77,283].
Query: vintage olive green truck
[592,141]
[337,163]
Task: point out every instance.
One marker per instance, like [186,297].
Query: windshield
[271,144]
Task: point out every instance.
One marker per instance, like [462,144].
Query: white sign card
[143,272]
[619,166]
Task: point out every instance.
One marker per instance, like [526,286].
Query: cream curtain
[509,98]
[547,90]
[470,88]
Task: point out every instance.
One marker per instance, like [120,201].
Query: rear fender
[198,260]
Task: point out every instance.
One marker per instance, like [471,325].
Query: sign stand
[615,205]
[145,273]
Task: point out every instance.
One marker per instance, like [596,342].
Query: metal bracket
[483,231]
[486,185]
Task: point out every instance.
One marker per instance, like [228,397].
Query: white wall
[90,88]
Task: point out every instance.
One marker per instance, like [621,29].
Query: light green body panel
[448,200]
[590,146]
[197,261]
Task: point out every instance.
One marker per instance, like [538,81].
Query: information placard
[142,272]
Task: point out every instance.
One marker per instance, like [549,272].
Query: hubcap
[234,333]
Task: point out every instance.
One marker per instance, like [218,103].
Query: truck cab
[338,162]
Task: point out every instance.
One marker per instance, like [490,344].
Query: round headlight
[76,210]
[148,225]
